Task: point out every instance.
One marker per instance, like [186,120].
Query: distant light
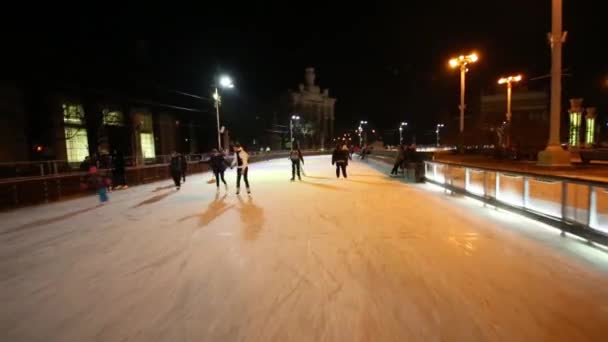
[453,62]
[373,131]
[38,148]
[473,57]
[404,123]
[226,82]
[216,96]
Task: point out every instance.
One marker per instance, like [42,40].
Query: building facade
[69,126]
[316,110]
[529,122]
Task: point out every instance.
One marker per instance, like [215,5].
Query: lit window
[73,114]
[147,145]
[590,138]
[114,118]
[76,144]
[575,125]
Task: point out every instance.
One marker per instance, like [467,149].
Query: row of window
[76,139]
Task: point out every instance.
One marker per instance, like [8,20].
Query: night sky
[384,62]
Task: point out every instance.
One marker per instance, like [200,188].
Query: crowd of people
[219,163]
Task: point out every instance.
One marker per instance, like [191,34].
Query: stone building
[530,120]
[316,110]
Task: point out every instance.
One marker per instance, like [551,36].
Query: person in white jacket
[241,159]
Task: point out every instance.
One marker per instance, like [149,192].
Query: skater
[175,168]
[97,182]
[240,161]
[218,166]
[399,160]
[340,158]
[296,157]
[184,165]
[118,170]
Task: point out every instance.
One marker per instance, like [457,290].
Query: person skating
[218,166]
[184,165]
[118,170]
[98,183]
[399,160]
[241,159]
[340,158]
[295,155]
[175,168]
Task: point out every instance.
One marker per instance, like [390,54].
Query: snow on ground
[363,259]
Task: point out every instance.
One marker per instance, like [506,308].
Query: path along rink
[363,259]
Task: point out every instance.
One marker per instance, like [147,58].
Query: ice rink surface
[364,259]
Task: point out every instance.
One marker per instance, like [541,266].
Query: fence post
[592,208]
[564,200]
[526,192]
[497,186]
[42,169]
[467,179]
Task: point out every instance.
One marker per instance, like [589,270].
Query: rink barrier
[574,205]
[27,191]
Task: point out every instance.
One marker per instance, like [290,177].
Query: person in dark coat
[295,155]
[175,168]
[399,160]
[184,165]
[218,165]
[118,170]
[340,158]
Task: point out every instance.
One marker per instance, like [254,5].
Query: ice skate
[248,190]
[238,191]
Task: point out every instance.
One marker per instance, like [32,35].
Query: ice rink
[364,259]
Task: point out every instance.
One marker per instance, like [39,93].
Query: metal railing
[578,206]
[26,169]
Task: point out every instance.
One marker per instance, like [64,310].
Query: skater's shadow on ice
[215,209]
[163,188]
[366,175]
[317,177]
[323,186]
[252,218]
[50,220]
[155,199]
[383,183]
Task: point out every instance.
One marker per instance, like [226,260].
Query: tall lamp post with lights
[224,82]
[360,130]
[509,80]
[438,131]
[291,120]
[403,124]
[554,154]
[462,63]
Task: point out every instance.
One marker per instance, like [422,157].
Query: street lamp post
[437,131]
[224,82]
[403,124]
[554,155]
[293,117]
[509,82]
[462,62]
[361,123]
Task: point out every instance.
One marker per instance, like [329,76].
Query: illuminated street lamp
[509,82]
[293,117]
[462,62]
[360,130]
[224,82]
[437,131]
[403,124]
